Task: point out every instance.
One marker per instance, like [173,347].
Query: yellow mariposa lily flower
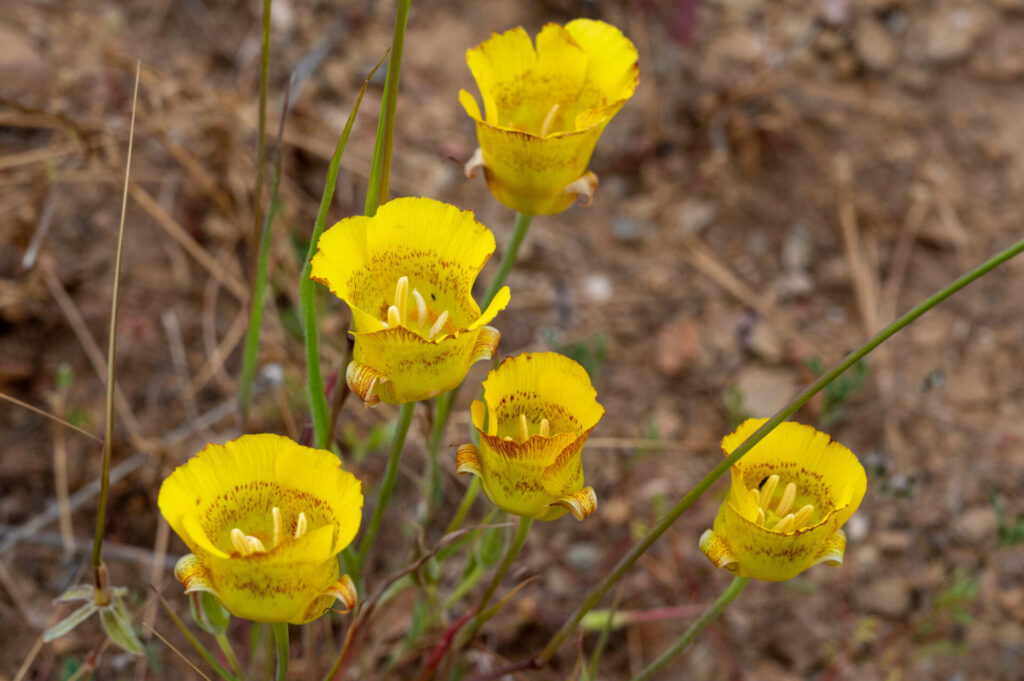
[265,519]
[790,495]
[545,109]
[537,412]
[407,274]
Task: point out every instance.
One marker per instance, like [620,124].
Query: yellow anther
[754,496]
[760,517]
[402,298]
[394,318]
[246,544]
[786,524]
[787,500]
[545,427]
[524,428]
[421,306]
[768,490]
[276,512]
[548,120]
[438,325]
[802,516]
[508,438]
[301,525]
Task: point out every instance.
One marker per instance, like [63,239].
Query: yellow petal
[612,67]
[580,503]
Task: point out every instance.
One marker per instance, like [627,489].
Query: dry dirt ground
[790,176]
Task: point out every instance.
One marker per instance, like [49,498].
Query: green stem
[508,259]
[281,645]
[387,486]
[229,653]
[467,503]
[307,288]
[525,522]
[687,501]
[443,404]
[259,283]
[709,616]
[262,135]
[394,68]
[108,437]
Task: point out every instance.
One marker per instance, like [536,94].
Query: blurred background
[790,176]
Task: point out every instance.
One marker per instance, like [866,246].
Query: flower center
[779,519]
[543,429]
[247,544]
[418,317]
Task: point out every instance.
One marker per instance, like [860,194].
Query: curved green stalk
[525,523]
[387,488]
[695,629]
[281,645]
[229,653]
[641,547]
[307,288]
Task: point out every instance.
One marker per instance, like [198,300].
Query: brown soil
[789,178]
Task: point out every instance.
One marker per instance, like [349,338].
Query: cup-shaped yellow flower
[265,519]
[407,274]
[545,107]
[537,412]
[790,495]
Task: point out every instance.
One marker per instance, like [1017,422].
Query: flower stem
[443,403]
[387,486]
[394,68]
[525,522]
[688,637]
[467,502]
[800,400]
[108,436]
[281,644]
[229,653]
[508,259]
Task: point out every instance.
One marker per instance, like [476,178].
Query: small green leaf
[209,613]
[69,622]
[118,625]
[491,545]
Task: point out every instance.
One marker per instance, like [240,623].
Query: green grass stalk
[387,488]
[108,435]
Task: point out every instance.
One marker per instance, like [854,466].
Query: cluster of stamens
[523,435]
[779,519]
[399,314]
[246,544]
